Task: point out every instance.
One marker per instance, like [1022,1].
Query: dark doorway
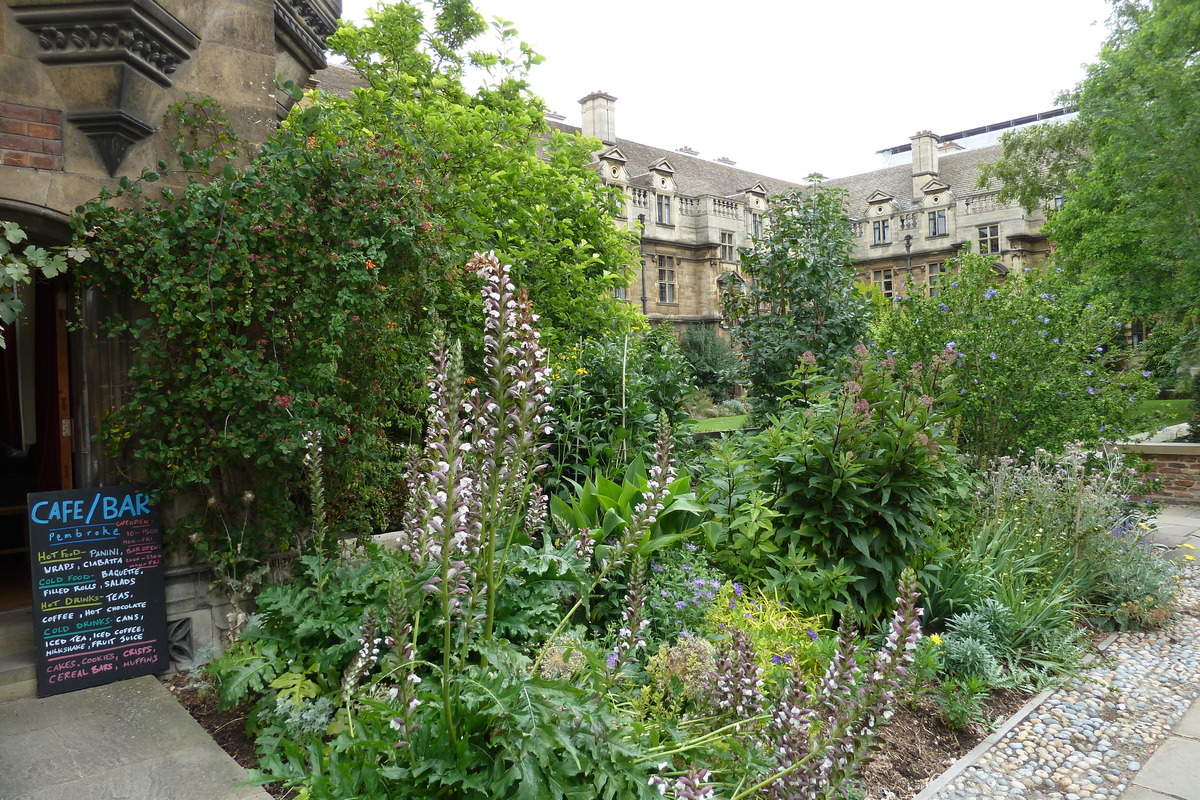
[35,425]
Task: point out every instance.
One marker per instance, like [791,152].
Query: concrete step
[17,690]
[16,646]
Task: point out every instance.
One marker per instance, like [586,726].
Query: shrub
[712,360]
[1035,367]
[857,472]
[965,657]
[960,701]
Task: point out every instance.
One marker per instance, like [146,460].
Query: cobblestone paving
[1089,738]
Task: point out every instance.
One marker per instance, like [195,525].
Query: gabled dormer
[756,197]
[881,204]
[612,166]
[935,187]
[663,175]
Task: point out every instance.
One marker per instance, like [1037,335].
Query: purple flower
[690,546]
[737,589]
[993,356]
[1146,373]
[1090,390]
[811,633]
[1087,372]
[679,604]
[989,294]
[954,284]
[776,660]
[1045,297]
[1055,340]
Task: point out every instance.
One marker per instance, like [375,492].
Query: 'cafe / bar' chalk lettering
[99,604]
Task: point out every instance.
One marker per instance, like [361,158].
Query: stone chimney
[924,160]
[599,117]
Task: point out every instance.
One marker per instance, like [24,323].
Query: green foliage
[510,184]
[610,390]
[784,639]
[679,592]
[712,361]
[17,270]
[961,701]
[1035,367]
[1193,434]
[1128,166]
[858,472]
[276,299]
[290,301]
[802,295]
[965,657]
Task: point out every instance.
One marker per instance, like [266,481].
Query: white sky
[790,87]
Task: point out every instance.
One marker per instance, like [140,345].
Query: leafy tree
[290,297]
[801,296]
[514,187]
[1034,366]
[1129,167]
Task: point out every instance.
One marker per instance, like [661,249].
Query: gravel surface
[1089,738]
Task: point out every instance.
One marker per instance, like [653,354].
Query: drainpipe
[642,253]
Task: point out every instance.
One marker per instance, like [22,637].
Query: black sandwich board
[99,602]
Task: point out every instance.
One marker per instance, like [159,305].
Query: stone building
[83,89]
[694,214]
[915,214]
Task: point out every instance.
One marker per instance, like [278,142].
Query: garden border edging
[960,766]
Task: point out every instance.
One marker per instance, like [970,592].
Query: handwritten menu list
[99,602]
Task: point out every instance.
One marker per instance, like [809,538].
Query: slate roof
[339,80]
[959,169]
[694,177]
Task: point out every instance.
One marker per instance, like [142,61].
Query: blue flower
[737,589]
[811,633]
[943,307]
[1090,390]
[679,604]
[1045,297]
[954,284]
[1087,372]
[1146,373]
[776,660]
[1055,340]
[691,547]
[949,345]
[993,356]
[989,294]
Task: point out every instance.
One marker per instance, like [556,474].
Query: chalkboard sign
[99,603]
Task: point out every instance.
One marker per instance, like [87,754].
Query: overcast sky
[790,87]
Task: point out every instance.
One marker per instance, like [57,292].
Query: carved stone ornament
[109,62]
[302,26]
[139,33]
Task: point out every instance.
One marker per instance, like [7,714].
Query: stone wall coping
[1161,448]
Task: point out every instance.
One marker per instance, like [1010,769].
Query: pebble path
[1089,738]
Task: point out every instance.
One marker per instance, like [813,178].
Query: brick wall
[1176,465]
[30,137]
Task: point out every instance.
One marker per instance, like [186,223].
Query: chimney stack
[599,117]
[924,160]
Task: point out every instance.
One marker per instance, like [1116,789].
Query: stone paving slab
[129,740]
[1173,770]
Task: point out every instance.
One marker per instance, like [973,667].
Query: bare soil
[912,748]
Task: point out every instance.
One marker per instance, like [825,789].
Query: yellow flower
[1188,546]
[1189,558]
[933,637]
[581,371]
